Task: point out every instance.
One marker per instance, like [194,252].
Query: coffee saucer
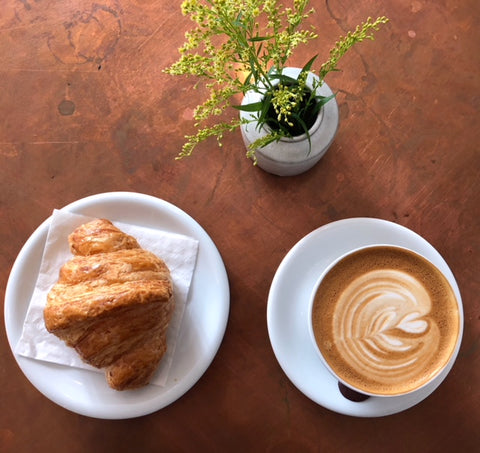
[288,305]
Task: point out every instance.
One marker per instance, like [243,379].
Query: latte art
[382,325]
[385,320]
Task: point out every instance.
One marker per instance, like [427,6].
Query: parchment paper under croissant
[112,303]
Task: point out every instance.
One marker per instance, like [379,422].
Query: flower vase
[292,156]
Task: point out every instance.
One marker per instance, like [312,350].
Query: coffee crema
[385,320]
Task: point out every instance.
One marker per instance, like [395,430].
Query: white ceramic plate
[203,325]
[288,305]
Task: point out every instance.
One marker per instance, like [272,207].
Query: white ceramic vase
[292,156]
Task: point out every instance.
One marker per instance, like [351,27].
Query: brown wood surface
[85,108]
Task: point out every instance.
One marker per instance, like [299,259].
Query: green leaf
[266,102]
[260,38]
[305,129]
[322,100]
[248,79]
[259,49]
[284,79]
[253,107]
[238,21]
[272,71]
[309,64]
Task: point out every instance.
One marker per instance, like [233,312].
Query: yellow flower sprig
[362,32]
[236,46]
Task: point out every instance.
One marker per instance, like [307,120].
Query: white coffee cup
[384,320]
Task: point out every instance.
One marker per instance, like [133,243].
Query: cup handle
[350,394]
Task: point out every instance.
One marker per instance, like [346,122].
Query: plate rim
[207,250]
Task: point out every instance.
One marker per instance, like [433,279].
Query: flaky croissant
[112,303]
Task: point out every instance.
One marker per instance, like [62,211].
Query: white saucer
[288,304]
[203,325]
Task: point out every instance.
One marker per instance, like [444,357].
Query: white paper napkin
[179,253]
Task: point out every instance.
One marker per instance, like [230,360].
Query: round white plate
[203,325]
[288,305]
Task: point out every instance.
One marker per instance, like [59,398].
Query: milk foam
[382,325]
[385,320]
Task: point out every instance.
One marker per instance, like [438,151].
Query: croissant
[113,303]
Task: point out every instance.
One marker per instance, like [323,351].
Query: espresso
[385,320]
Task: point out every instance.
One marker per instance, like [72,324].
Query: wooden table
[85,108]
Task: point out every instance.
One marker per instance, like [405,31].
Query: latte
[385,320]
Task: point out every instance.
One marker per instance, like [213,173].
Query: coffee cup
[384,320]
